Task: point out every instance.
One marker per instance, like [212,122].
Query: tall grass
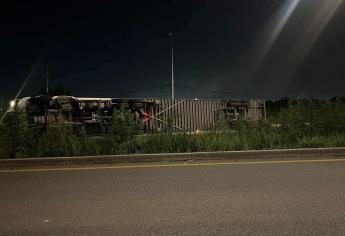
[301,125]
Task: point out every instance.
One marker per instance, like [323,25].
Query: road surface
[270,198]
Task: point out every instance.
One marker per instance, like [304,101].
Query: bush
[59,140]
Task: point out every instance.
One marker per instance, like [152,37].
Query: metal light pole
[172,66]
[47,79]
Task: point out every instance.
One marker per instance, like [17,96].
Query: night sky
[223,48]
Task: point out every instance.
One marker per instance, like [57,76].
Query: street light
[172,65]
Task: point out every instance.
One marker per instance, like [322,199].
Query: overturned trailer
[96,114]
[199,114]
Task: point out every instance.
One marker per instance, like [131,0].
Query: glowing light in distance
[12,103]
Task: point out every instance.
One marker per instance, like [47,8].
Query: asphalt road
[246,199]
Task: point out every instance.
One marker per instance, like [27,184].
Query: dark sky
[223,48]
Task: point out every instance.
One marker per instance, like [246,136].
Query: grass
[301,125]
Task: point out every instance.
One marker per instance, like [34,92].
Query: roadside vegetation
[292,124]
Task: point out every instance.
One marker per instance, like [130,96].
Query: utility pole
[172,66]
[47,80]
